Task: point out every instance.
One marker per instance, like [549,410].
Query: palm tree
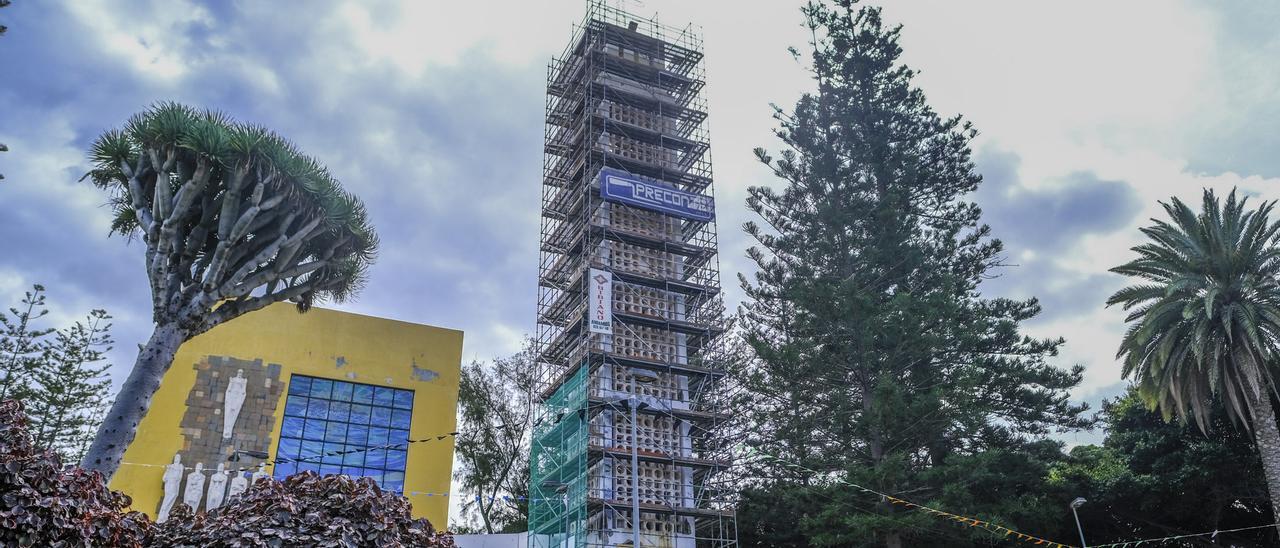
[1205,319]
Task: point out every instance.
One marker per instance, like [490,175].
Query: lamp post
[563,489]
[1076,504]
[638,377]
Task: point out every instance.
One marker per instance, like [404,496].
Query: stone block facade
[202,422]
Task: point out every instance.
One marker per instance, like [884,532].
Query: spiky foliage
[234,218]
[1205,320]
[240,208]
[1206,316]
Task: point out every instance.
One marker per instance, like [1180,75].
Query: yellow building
[302,388]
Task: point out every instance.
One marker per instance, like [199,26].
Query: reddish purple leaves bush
[304,510]
[43,505]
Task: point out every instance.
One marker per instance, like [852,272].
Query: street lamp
[561,488]
[638,377]
[1076,504]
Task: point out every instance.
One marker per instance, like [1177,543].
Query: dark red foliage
[43,505]
[304,510]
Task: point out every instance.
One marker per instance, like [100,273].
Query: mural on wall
[230,408]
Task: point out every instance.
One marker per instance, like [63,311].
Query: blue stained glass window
[362,393]
[357,434]
[314,430]
[375,458]
[342,391]
[300,385]
[311,450]
[404,399]
[381,416]
[292,446]
[340,412]
[325,417]
[295,406]
[336,432]
[400,418]
[360,413]
[393,481]
[291,427]
[321,388]
[378,436]
[398,436]
[396,459]
[331,455]
[384,396]
[317,408]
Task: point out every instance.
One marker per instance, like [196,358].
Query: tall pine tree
[21,343]
[878,360]
[69,391]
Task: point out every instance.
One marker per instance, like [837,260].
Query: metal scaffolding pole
[629,304]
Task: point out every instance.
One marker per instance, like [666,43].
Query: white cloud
[149,42]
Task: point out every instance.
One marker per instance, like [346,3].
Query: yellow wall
[372,350]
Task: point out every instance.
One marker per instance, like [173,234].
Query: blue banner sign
[618,186]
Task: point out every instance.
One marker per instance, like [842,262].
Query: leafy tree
[496,412]
[233,218]
[1153,478]
[70,388]
[21,343]
[878,361]
[1205,318]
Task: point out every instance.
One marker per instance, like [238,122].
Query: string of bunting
[481,498]
[1211,534]
[963,520]
[312,459]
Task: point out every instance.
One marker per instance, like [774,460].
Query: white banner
[600,301]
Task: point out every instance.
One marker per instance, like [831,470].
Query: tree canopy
[1205,318]
[234,218]
[879,360]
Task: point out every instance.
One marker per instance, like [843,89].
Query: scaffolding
[630,412]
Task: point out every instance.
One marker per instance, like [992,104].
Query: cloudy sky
[432,112]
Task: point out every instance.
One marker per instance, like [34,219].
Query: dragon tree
[233,218]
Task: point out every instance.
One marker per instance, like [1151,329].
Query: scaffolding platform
[629,447]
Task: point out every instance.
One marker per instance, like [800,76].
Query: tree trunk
[1267,437]
[892,539]
[121,423]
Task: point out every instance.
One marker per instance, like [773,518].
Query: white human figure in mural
[238,484]
[232,402]
[172,484]
[260,473]
[217,488]
[195,487]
